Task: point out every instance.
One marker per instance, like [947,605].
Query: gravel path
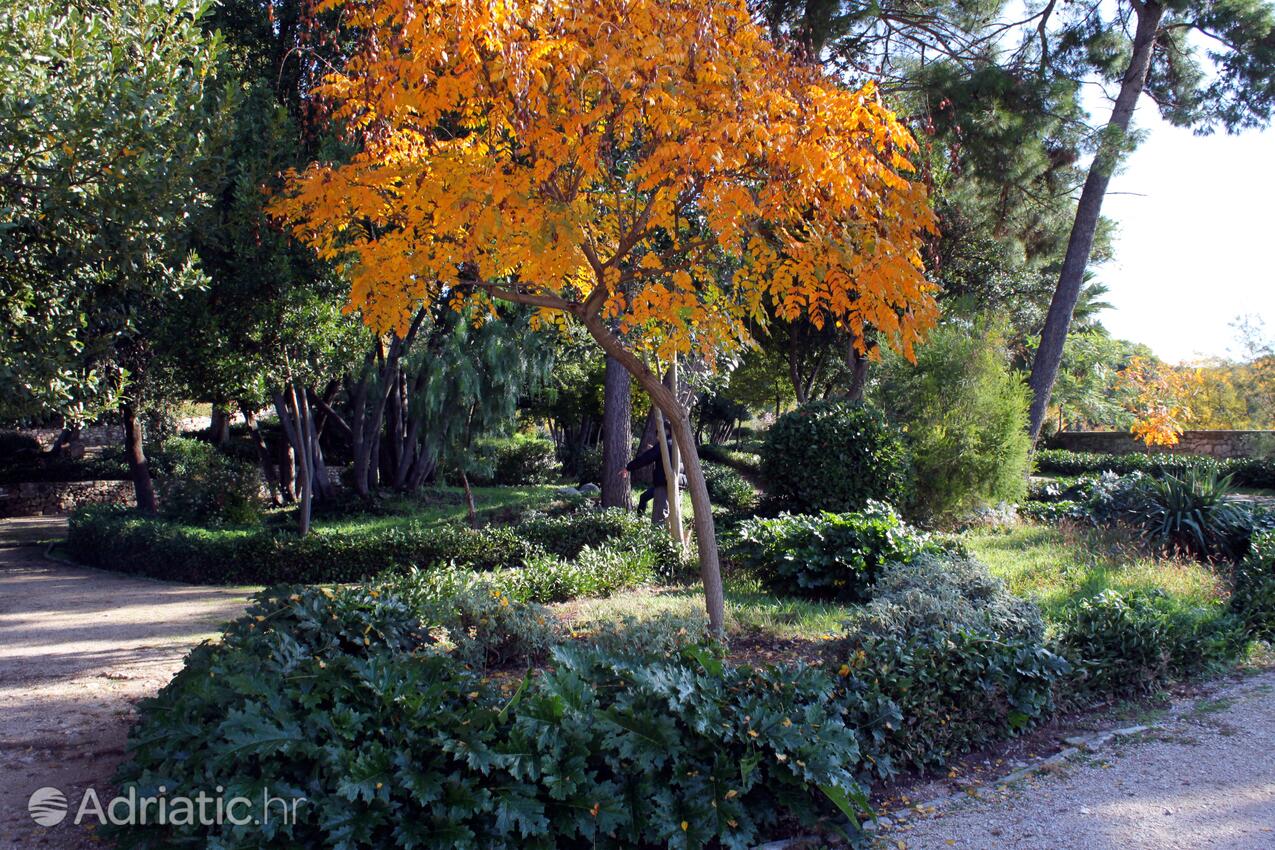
[1202,779]
[78,647]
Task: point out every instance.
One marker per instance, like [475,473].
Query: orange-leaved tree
[603,161]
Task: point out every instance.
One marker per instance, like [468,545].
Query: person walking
[657,493]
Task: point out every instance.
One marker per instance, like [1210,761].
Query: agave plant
[1195,513]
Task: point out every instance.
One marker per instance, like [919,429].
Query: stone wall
[34,498]
[1220,444]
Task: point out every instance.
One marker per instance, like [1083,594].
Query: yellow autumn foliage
[655,163]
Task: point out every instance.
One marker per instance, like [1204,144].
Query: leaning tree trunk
[1088,210]
[617,434]
[667,402]
[138,468]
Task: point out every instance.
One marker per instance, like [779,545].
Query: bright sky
[1195,246]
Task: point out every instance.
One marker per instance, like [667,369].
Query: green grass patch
[749,609]
[1055,566]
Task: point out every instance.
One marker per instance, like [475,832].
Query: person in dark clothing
[658,491]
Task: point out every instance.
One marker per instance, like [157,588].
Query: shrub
[567,534]
[834,456]
[1195,514]
[729,489]
[520,459]
[964,413]
[592,572]
[942,661]
[394,744]
[119,539]
[197,482]
[829,556]
[1253,587]
[1245,472]
[1136,641]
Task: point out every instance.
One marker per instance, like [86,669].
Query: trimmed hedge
[395,744]
[834,456]
[118,538]
[1244,472]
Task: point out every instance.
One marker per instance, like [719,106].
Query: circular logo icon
[47,806]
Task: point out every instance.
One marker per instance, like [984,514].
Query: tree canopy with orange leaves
[655,169]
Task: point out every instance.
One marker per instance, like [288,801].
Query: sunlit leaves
[639,147]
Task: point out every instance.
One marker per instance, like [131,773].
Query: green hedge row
[119,539]
[1245,472]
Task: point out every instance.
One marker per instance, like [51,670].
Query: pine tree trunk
[617,435]
[1088,211]
[143,486]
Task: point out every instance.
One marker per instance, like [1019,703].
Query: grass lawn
[749,610]
[1054,566]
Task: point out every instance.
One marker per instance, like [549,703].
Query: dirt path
[78,647]
[1203,778]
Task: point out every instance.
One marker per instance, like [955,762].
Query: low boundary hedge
[1245,472]
[117,538]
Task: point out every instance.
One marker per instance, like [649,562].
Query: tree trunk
[617,435]
[263,456]
[143,486]
[219,425]
[1058,321]
[858,365]
[667,402]
[470,505]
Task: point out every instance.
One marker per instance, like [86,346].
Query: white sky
[1195,245]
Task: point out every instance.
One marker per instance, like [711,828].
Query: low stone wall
[1220,444]
[36,498]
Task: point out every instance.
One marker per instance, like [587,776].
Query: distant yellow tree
[603,161]
[1161,398]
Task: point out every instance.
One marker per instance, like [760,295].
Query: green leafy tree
[105,113]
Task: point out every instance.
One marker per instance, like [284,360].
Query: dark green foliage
[834,456]
[394,744]
[1253,587]
[964,413]
[623,550]
[1136,641]
[566,535]
[197,482]
[1244,472]
[826,556]
[108,466]
[943,660]
[729,489]
[1195,514]
[520,459]
[121,540]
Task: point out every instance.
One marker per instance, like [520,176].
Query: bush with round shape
[825,556]
[834,456]
[197,482]
[943,660]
